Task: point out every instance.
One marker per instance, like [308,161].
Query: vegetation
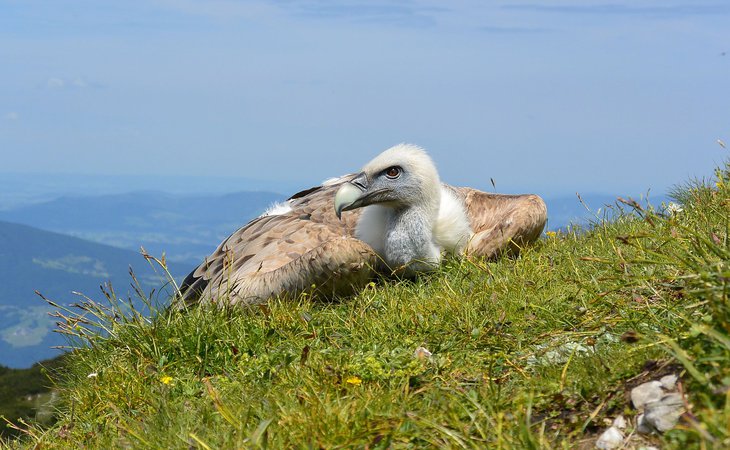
[26,394]
[532,352]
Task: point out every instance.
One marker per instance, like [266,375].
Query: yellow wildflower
[551,234]
[354,380]
[166,379]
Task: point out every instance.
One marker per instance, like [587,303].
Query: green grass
[531,352]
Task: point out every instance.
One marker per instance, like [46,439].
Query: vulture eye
[393,172]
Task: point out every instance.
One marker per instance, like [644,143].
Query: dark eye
[392,172]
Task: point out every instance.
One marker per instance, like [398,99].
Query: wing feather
[286,253]
[502,223]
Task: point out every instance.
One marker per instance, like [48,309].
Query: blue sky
[547,97]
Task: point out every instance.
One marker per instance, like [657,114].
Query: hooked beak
[352,194]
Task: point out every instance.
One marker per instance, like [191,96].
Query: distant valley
[57,265]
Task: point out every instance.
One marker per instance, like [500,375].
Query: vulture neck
[411,239]
[409,244]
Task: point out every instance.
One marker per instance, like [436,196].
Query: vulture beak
[352,195]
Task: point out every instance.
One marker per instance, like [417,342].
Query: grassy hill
[186,227]
[56,265]
[537,351]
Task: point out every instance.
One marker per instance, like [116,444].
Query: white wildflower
[674,208]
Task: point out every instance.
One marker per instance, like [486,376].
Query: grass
[531,352]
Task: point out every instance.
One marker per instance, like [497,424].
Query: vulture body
[393,217]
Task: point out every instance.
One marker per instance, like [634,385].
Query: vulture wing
[502,223]
[304,248]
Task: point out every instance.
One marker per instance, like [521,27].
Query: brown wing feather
[286,253]
[502,223]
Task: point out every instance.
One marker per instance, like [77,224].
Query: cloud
[371,12]
[221,9]
[55,83]
[404,13]
[11,116]
[626,9]
[514,30]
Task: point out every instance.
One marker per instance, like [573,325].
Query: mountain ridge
[185,227]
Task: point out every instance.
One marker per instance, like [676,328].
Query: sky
[545,97]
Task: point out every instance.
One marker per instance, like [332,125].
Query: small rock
[664,414]
[645,393]
[422,352]
[620,423]
[561,354]
[610,439]
[669,382]
[642,426]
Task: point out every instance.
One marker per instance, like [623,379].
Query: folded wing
[299,247]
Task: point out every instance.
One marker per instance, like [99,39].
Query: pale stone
[610,439]
[619,422]
[642,426]
[558,355]
[645,393]
[664,414]
[669,382]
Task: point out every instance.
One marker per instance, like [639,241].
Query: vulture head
[399,178]
[402,194]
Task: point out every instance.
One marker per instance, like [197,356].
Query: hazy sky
[549,97]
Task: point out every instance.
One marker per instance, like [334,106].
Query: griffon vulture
[395,216]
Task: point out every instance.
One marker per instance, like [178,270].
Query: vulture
[394,217]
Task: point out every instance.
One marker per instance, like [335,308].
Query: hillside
[56,265]
[27,393]
[186,227]
[538,351]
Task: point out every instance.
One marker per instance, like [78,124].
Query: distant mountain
[18,189]
[55,264]
[186,227]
